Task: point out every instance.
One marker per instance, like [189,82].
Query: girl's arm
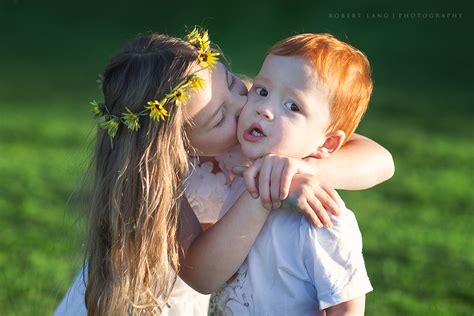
[360,164]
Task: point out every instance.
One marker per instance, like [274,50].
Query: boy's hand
[270,177]
[313,198]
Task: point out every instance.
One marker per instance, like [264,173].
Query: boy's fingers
[286,178]
[275,183]
[320,212]
[250,178]
[264,185]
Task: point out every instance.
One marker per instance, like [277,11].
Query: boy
[309,84]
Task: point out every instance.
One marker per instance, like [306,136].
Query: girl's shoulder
[210,182]
[206,191]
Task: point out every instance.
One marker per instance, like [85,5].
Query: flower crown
[178,95]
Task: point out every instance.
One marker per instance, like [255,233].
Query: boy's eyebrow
[296,92]
[300,98]
[262,78]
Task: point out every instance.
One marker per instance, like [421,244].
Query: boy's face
[287,112]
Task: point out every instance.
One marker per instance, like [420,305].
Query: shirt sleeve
[333,260]
[73,303]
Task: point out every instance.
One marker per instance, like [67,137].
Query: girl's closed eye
[292,106]
[230,77]
[232,81]
[221,120]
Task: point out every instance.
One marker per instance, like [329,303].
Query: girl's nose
[239,103]
[239,97]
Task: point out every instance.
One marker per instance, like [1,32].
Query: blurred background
[417,227]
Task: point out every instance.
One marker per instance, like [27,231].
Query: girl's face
[215,110]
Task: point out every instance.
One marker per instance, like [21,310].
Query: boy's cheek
[250,104]
[240,126]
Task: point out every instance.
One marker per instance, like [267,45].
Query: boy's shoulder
[289,237]
[293,225]
[329,258]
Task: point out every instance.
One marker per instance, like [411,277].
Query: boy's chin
[251,153]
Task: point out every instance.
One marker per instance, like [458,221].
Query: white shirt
[211,196]
[295,268]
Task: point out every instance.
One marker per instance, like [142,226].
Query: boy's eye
[292,106]
[261,92]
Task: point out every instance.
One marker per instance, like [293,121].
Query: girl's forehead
[203,104]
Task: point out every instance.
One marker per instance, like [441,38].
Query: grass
[40,239]
[417,227]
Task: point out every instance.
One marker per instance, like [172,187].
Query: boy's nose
[265,112]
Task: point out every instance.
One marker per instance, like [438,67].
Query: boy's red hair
[342,68]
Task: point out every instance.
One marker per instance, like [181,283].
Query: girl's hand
[312,197]
[270,177]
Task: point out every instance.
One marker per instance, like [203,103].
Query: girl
[141,230]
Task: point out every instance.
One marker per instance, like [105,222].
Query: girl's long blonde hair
[132,246]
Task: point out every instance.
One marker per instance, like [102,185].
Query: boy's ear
[333,142]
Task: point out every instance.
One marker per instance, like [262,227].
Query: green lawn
[417,227]
[43,155]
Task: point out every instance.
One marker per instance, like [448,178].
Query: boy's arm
[354,307]
[210,258]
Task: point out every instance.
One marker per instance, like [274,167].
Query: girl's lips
[254,133]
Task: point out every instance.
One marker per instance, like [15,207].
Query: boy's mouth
[254,133]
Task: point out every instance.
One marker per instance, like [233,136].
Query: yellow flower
[155,103]
[179,96]
[131,120]
[157,110]
[197,83]
[204,42]
[111,126]
[208,58]
[159,114]
[194,37]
